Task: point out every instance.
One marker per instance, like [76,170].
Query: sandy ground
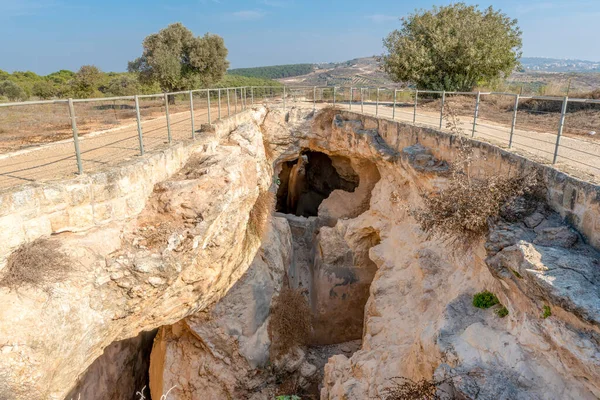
[577,156]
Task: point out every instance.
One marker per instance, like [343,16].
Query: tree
[12,91]
[86,81]
[177,60]
[453,47]
[123,85]
[44,90]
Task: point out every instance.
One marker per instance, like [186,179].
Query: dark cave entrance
[305,182]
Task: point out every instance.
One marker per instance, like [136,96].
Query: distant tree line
[275,71]
[172,60]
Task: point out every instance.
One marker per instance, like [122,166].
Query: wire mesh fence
[552,129]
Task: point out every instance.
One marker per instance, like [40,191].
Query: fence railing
[552,128]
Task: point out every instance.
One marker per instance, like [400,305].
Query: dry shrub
[36,263]
[290,322]
[463,211]
[260,214]
[424,389]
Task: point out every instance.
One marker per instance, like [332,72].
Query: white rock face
[186,248]
[223,352]
[419,319]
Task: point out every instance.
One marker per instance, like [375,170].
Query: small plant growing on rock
[35,263]
[485,300]
[502,311]
[290,324]
[547,312]
[516,273]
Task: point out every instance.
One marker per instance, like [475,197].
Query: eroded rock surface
[188,246]
[223,352]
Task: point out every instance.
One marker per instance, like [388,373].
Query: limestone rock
[117,287]
[223,352]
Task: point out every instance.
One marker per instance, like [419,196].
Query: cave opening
[308,180]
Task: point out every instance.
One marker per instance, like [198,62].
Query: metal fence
[90,133]
[553,130]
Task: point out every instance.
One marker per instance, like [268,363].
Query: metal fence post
[284,98]
[219,107]
[415,110]
[362,100]
[476,113]
[514,121]
[192,114]
[168,119]
[351,90]
[139,124]
[208,100]
[560,128]
[377,103]
[252,95]
[394,106]
[234,101]
[75,137]
[442,110]
[314,98]
[228,108]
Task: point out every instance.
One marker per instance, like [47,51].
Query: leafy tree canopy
[178,60]
[44,90]
[86,81]
[453,47]
[12,91]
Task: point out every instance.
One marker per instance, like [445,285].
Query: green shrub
[517,274]
[502,312]
[485,299]
[547,312]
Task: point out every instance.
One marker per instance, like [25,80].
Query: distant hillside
[357,72]
[274,72]
[557,65]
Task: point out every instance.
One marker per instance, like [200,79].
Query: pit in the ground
[308,180]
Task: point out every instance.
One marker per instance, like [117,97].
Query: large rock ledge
[186,248]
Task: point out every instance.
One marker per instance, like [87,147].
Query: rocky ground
[206,259]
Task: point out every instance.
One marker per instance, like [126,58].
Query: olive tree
[453,47]
[12,91]
[178,60]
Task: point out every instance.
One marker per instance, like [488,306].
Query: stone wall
[573,199]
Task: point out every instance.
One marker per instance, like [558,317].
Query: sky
[48,35]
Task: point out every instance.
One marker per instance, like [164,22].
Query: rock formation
[195,264]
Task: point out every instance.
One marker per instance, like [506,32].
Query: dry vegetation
[37,124]
[424,389]
[260,214]
[37,263]
[462,212]
[534,115]
[290,322]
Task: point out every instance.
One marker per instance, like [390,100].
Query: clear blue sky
[47,35]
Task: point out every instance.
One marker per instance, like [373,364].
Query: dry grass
[36,263]
[462,212]
[261,213]
[424,389]
[290,322]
